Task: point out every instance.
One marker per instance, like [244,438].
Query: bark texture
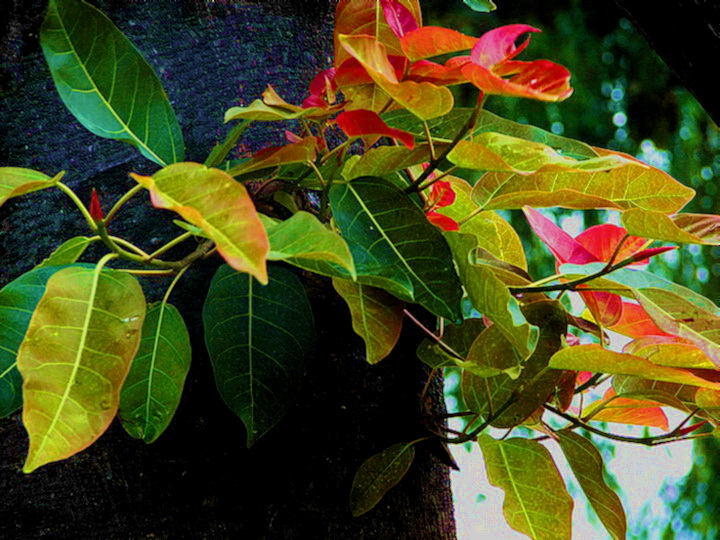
[198,480]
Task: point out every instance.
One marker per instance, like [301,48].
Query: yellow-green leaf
[536,500]
[675,315]
[262,112]
[490,355]
[680,229]
[220,206]
[379,474]
[376,317]
[587,464]
[75,356]
[490,296]
[16,181]
[458,337]
[423,99]
[680,355]
[67,253]
[386,159]
[299,152]
[598,360]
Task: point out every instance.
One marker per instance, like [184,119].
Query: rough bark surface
[198,480]
[686,35]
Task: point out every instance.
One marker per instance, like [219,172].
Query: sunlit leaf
[536,501]
[377,475]
[151,393]
[675,315]
[680,229]
[679,396]
[361,123]
[382,160]
[16,181]
[302,236]
[259,339]
[458,337]
[504,153]
[299,152]
[598,360]
[626,410]
[376,317]
[490,296]
[67,253]
[680,355]
[106,83]
[220,206]
[75,356]
[431,41]
[425,100]
[261,112]
[385,229]
[587,465]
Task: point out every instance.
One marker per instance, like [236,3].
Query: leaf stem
[172,243]
[428,136]
[125,198]
[84,211]
[432,336]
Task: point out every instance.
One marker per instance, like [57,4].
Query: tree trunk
[198,480]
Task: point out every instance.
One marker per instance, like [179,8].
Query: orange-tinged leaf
[602,241]
[441,75]
[587,464]
[76,353]
[679,317]
[376,317]
[423,99]
[598,360]
[431,41]
[212,200]
[16,181]
[622,410]
[366,17]
[299,152]
[536,501]
[680,229]
[636,323]
[361,123]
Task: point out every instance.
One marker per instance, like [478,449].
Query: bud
[95,210]
[647,253]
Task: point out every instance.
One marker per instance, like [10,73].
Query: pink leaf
[444,222]
[563,246]
[498,45]
[360,123]
[647,253]
[399,18]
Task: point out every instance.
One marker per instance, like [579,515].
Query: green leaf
[376,317]
[458,337]
[383,160]
[302,236]
[16,181]
[491,354]
[536,500]
[259,339]
[67,253]
[77,351]
[212,200]
[598,360]
[152,390]
[491,297]
[675,315]
[445,128]
[262,112]
[390,236]
[481,6]
[377,475]
[535,383]
[106,83]
[680,229]
[17,304]
[587,464]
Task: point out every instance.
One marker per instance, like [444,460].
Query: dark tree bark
[686,35]
[198,480]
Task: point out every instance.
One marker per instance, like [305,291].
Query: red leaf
[398,17]
[607,308]
[563,246]
[360,123]
[95,209]
[322,82]
[636,323]
[602,241]
[493,71]
[641,256]
[444,222]
[441,194]
[352,72]
[689,429]
[427,71]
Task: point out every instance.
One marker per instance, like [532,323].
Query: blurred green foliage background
[625,99]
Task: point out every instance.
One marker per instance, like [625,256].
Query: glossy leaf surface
[680,229]
[379,474]
[362,123]
[589,469]
[536,501]
[259,339]
[67,253]
[387,230]
[382,160]
[106,83]
[16,181]
[220,206]
[17,304]
[151,393]
[302,236]
[491,297]
[431,41]
[376,317]
[75,356]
